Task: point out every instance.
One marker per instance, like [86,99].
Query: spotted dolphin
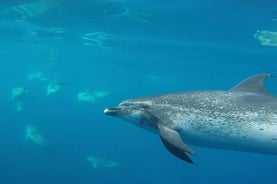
[19,92]
[35,136]
[243,118]
[98,162]
[54,88]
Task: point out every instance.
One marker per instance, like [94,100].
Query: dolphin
[18,92]
[19,107]
[37,76]
[35,136]
[54,88]
[101,94]
[86,96]
[243,118]
[97,162]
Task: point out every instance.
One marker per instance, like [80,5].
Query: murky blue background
[127,49]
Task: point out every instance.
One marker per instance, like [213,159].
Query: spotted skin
[206,116]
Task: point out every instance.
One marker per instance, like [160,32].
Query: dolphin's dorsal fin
[253,84]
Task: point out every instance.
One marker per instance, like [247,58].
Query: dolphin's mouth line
[111,110]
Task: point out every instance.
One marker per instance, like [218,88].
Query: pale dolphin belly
[254,139]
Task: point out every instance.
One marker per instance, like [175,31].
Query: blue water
[156,47]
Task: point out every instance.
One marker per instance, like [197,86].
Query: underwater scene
[200,76]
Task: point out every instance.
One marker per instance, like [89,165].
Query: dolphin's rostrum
[243,118]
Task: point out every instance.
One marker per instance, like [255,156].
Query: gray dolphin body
[243,118]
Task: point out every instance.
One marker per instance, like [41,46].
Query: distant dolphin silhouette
[35,136]
[86,96]
[18,92]
[37,76]
[98,162]
[243,118]
[54,87]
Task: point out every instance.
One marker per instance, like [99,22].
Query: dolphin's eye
[144,106]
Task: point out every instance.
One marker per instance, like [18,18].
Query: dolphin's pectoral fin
[176,151]
[253,84]
[174,144]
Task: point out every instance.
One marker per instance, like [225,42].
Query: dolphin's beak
[112,111]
